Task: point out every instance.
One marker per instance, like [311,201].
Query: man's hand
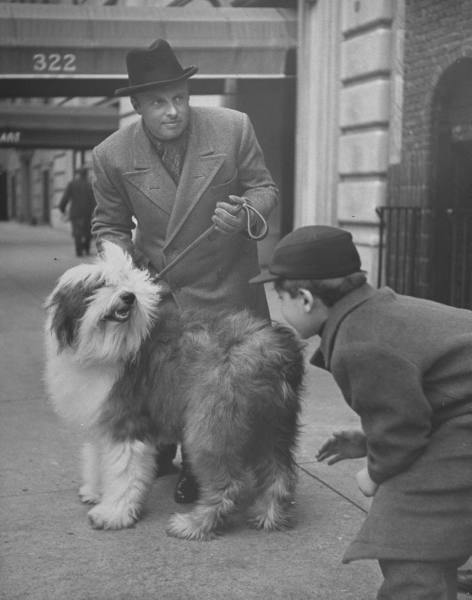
[342,445]
[367,486]
[229,217]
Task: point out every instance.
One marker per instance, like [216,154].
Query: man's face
[165,111]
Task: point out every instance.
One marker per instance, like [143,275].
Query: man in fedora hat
[175,172]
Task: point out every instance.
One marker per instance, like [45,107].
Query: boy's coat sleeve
[385,390]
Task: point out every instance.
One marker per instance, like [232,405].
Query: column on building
[346,93]
[317,112]
[365,136]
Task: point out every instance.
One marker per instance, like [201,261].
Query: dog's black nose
[128,298]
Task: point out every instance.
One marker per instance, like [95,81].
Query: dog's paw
[88,495]
[270,522]
[106,516]
[182,526]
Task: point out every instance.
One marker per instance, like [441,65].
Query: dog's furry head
[104,310]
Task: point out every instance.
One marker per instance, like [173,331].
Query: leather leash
[207,233]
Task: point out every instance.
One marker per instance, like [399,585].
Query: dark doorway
[451,187]
[3,196]
[46,205]
[13,203]
[271,106]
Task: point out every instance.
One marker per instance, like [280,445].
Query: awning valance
[74,42]
[38,126]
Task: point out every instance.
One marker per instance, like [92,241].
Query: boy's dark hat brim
[264,277]
[132,89]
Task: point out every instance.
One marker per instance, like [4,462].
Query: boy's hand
[367,486]
[343,444]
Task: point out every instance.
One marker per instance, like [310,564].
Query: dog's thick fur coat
[132,371]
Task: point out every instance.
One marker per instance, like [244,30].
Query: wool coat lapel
[150,176]
[200,166]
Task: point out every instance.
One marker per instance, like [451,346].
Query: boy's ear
[135,103]
[308,299]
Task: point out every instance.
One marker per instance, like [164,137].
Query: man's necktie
[172,159]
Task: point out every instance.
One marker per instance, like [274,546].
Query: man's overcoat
[405,366]
[223,157]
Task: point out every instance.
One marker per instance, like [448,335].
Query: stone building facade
[348,129]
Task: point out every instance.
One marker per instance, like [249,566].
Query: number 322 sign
[54,62]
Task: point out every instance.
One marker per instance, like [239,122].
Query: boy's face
[305,313]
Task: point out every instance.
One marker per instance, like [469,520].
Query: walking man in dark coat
[79,194]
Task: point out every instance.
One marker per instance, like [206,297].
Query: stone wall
[368,51]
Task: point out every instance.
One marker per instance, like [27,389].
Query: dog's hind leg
[220,497]
[127,473]
[90,490]
[275,467]
[277,480]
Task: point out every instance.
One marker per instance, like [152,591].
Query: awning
[46,126]
[40,42]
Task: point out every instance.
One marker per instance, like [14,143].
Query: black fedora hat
[152,67]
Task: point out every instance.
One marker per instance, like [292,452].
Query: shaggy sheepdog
[131,371]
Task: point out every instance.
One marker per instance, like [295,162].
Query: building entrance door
[451,188]
[3,196]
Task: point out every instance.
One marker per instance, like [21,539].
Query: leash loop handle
[252,233]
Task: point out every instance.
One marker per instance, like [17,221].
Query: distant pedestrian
[79,194]
[403,365]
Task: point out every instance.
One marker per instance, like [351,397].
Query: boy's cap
[313,252]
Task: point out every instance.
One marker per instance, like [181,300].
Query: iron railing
[461,258]
[427,252]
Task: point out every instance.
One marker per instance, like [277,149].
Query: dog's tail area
[274,403]
[275,472]
[244,422]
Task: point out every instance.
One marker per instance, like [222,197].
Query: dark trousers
[166,453]
[417,580]
[82,235]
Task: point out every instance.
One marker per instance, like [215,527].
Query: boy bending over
[404,365]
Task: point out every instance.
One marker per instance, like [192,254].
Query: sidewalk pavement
[48,549]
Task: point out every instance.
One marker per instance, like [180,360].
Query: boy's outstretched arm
[348,443]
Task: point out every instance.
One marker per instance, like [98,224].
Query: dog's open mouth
[119,314]
[122,311]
